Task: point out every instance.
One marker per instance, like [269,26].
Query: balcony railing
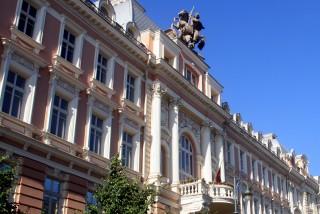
[217,192]
[115,25]
[195,188]
[220,192]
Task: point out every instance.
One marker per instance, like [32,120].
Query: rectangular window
[27,18]
[229,152]
[51,196]
[253,170]
[90,199]
[96,131]
[126,153]
[102,68]
[68,46]
[242,161]
[130,87]
[59,117]
[191,77]
[13,94]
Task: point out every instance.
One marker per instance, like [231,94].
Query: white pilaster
[206,151]
[174,126]
[38,28]
[136,152]
[107,139]
[29,98]
[155,166]
[220,149]
[78,51]
[72,114]
[52,91]
[5,62]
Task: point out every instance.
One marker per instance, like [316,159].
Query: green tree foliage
[7,181]
[120,195]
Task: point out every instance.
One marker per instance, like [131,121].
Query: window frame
[79,34]
[132,71]
[67,45]
[28,69]
[41,7]
[60,112]
[97,131]
[14,90]
[127,147]
[69,92]
[51,194]
[186,158]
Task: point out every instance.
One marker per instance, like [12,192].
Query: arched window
[185,159]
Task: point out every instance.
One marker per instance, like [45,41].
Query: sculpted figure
[189,28]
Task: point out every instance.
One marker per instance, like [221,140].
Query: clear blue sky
[266,54]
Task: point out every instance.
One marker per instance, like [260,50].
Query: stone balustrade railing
[194,188]
[221,191]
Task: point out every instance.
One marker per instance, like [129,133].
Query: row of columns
[155,162]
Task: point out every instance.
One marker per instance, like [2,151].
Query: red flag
[218,177]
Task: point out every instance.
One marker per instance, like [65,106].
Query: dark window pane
[20,81]
[11,77]
[24,6]
[7,100]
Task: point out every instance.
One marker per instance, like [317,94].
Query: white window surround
[200,75]
[232,145]
[135,132]
[41,6]
[26,68]
[111,56]
[105,113]
[63,89]
[79,33]
[137,84]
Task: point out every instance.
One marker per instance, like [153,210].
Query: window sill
[67,67]
[101,88]
[132,106]
[95,158]
[18,125]
[25,40]
[61,144]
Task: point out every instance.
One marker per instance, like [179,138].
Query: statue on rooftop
[189,27]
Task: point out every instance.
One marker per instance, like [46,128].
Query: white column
[136,152]
[206,151]
[107,138]
[38,28]
[29,97]
[5,62]
[220,149]
[155,167]
[72,114]
[174,126]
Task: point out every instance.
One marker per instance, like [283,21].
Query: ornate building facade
[83,80]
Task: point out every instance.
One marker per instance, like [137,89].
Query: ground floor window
[51,196]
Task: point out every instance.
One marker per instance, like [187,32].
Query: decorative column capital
[175,102]
[157,89]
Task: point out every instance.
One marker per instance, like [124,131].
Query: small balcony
[198,197]
[221,193]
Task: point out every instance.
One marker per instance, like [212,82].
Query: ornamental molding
[186,122]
